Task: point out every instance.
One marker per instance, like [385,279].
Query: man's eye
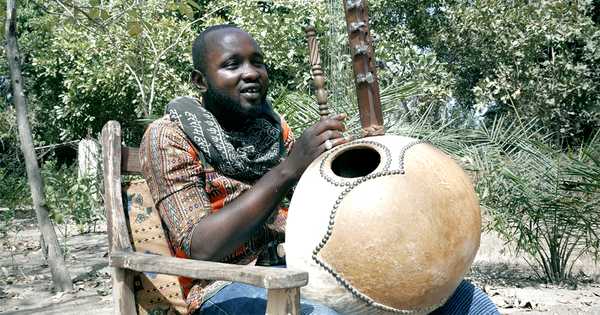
[230,65]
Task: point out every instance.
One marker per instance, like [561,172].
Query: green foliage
[92,61]
[526,59]
[401,30]
[71,200]
[102,63]
[536,200]
[14,190]
[531,60]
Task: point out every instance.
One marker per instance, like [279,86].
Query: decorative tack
[403,152]
[353,4]
[364,77]
[338,182]
[356,26]
[362,49]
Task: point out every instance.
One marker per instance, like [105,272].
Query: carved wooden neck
[365,73]
[317,71]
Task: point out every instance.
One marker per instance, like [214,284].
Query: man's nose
[250,73]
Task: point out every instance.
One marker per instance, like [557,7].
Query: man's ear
[199,80]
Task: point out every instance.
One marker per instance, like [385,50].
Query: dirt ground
[26,286]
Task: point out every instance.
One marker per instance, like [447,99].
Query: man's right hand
[312,143]
[219,234]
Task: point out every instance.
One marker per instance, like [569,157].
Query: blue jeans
[240,299]
[243,299]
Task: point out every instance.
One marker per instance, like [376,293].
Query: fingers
[324,135]
[329,144]
[332,138]
[335,122]
[330,134]
[340,117]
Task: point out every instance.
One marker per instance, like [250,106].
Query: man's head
[229,68]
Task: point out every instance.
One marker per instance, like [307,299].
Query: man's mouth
[251,92]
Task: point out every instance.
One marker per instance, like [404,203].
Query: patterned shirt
[185,190]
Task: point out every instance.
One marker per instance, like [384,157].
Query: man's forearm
[219,234]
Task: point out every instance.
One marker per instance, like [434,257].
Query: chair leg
[123,296]
[283,301]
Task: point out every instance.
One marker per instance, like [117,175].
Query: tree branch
[139,84]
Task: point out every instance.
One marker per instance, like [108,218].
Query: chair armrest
[265,277]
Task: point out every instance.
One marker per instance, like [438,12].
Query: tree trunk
[60,274]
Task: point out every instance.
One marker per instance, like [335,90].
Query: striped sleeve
[175,177]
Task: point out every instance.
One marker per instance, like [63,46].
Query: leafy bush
[83,70]
[120,60]
[537,200]
[529,60]
[71,200]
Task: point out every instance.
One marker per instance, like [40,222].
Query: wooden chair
[283,285]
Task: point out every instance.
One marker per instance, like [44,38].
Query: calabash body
[385,224]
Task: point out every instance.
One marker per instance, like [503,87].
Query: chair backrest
[136,225]
[130,161]
[118,235]
[117,160]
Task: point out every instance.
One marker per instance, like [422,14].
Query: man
[219,169]
[216,171]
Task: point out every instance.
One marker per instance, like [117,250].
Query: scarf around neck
[245,155]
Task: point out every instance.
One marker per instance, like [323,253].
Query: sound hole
[355,162]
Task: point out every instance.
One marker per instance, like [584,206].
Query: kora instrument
[385,223]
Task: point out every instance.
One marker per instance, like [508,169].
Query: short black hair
[199,46]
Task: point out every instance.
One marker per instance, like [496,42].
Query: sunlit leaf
[134,28]
[194,4]
[94,13]
[186,10]
[104,14]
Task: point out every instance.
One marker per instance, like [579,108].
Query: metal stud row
[351,185]
[354,4]
[339,183]
[408,146]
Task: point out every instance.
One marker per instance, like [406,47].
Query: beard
[224,107]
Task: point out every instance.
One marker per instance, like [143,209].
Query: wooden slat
[122,292]
[118,236]
[283,301]
[265,277]
[130,160]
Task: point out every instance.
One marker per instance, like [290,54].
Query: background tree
[60,275]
